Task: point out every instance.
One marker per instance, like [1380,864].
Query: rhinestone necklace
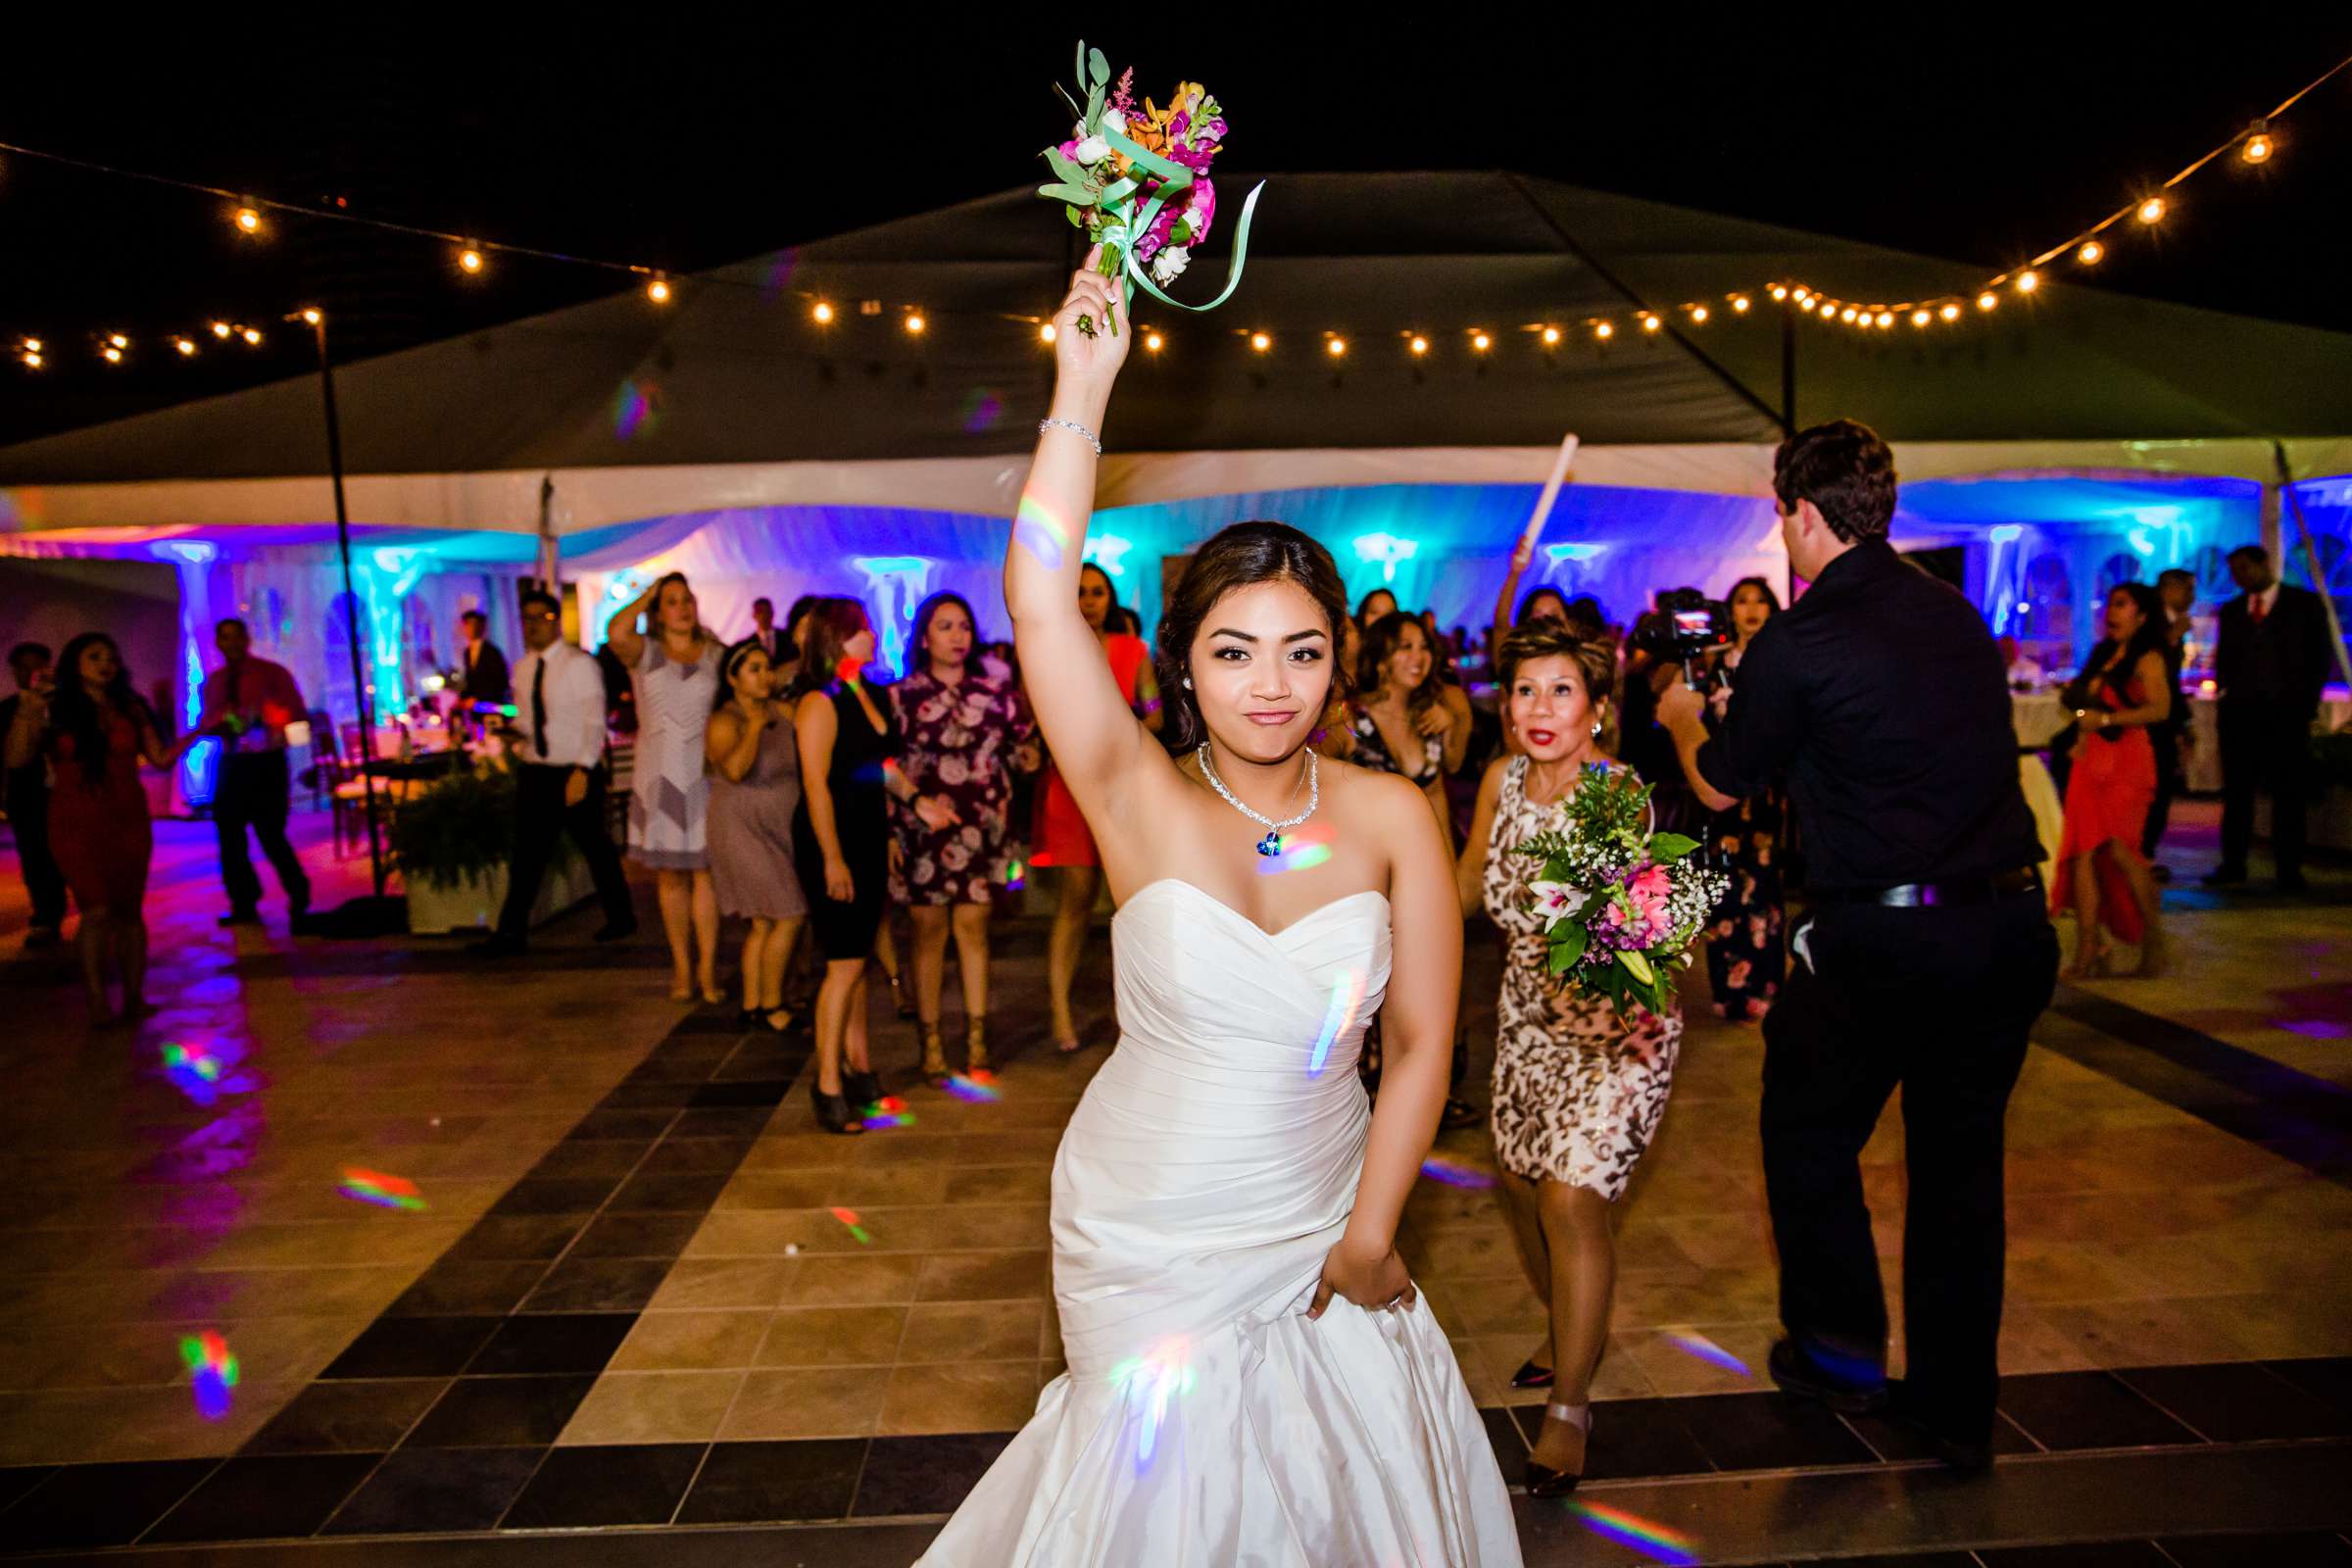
[1271,844]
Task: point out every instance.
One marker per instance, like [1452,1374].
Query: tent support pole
[1568,241]
[351,607]
[1788,370]
[2310,564]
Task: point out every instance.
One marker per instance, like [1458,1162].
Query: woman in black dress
[841,842]
[1746,958]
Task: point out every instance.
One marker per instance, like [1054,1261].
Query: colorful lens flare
[203,1072]
[1041,534]
[375,1187]
[214,1371]
[978,1087]
[636,408]
[981,410]
[848,1217]
[1152,1381]
[1707,1350]
[1646,1537]
[1015,877]
[1302,849]
[1346,998]
[888,1111]
[1455,1173]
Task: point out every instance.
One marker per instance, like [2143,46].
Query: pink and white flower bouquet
[1622,906]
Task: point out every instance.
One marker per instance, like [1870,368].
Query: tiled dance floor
[643,1296]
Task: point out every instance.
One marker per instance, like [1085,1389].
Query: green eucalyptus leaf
[1075,110]
[1099,66]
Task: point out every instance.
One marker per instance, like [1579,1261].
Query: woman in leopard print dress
[1579,1090]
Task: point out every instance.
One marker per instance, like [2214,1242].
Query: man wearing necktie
[558,780]
[763,627]
[2270,660]
[248,703]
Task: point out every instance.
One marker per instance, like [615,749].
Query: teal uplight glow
[1104,551]
[896,585]
[1387,549]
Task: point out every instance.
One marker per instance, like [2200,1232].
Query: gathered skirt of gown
[1205,1422]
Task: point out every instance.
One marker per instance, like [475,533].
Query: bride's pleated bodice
[1204,1419]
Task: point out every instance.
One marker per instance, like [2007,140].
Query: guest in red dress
[94,731]
[2122,692]
[1059,838]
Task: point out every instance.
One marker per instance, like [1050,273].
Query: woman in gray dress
[675,666]
[755,784]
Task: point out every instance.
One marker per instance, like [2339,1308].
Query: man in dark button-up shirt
[1925,958]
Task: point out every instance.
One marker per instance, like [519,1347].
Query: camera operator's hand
[1680,704]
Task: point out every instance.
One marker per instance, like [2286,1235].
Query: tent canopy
[734,396]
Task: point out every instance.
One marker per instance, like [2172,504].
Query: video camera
[1684,628]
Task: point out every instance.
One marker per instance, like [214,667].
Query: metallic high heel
[935,1055]
[1542,1480]
[975,1045]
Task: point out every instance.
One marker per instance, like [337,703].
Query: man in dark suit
[485,679]
[764,629]
[2269,660]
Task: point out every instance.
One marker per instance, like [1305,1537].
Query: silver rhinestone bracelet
[1092,439]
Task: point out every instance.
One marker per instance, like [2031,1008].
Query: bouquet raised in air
[1136,178]
[1622,906]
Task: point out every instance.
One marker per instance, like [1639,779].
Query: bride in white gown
[1254,1378]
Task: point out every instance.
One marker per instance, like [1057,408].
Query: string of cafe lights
[252,216]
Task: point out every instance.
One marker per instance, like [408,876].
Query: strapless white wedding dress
[1205,1422]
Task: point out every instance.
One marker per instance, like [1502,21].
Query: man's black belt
[1929,895]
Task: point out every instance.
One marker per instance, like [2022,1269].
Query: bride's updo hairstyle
[1240,557]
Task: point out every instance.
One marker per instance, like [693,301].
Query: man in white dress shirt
[559,779]
[764,629]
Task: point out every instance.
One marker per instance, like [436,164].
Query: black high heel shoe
[1532,1375]
[833,1112]
[1542,1480]
[862,1088]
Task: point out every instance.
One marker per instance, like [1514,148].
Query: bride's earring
[1597,726]
[1188,683]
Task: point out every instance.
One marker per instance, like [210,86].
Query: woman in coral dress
[2122,692]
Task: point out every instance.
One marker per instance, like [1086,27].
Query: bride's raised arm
[1097,744]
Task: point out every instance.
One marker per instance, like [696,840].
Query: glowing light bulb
[1804,294]
[1698,313]
[657,290]
[1849,313]
[1046,332]
[114,355]
[1780,291]
[1885,318]
[33,361]
[1604,330]
[253,337]
[221,329]
[2028,282]
[916,324]
[313,316]
[118,340]
[2258,147]
[1335,345]
[469,260]
[1950,312]
[33,345]
[1260,342]
[1480,342]
[1419,344]
[821,313]
[186,347]
[2151,211]
[2091,253]
[1738,305]
[1922,317]
[1551,335]
[249,221]
[1650,323]
[1988,299]
[1153,342]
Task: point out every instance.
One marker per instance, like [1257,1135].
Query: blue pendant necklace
[1271,844]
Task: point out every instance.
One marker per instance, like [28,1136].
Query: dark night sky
[683,144]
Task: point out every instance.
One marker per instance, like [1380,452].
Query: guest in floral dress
[1579,1089]
[965,733]
[1746,954]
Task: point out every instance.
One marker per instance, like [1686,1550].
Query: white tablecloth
[2040,715]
